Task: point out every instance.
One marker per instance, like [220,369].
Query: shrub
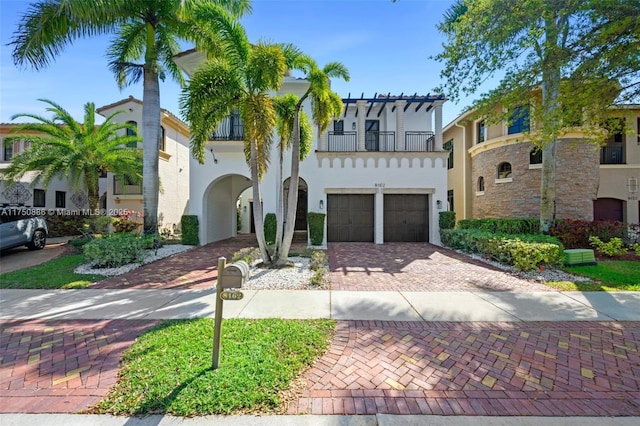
[248,254]
[190,230]
[527,256]
[316,227]
[270,228]
[503,226]
[447,220]
[636,248]
[613,247]
[123,222]
[115,250]
[575,233]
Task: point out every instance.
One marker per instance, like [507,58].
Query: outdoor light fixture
[215,160]
[632,184]
[321,204]
[353,125]
[439,204]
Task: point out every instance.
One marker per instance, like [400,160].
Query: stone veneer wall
[577,177]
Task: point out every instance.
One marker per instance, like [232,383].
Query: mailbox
[234,275]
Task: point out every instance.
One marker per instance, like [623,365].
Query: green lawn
[168,369]
[54,274]
[610,275]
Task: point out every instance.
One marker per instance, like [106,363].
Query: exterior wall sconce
[215,160]
[353,125]
[321,204]
[439,204]
[244,208]
[632,184]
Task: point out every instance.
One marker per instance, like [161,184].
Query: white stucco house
[379,173]
[173,168]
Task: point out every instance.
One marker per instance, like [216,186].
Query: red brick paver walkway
[61,366]
[415,267]
[506,369]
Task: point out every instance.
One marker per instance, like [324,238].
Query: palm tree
[78,152]
[241,78]
[325,105]
[148,31]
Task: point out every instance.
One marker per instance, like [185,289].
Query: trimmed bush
[115,250]
[447,220]
[575,233]
[613,247]
[270,228]
[190,230]
[503,226]
[316,227]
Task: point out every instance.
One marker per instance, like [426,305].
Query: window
[615,126]
[39,197]
[8,152]
[519,120]
[480,129]
[61,199]
[481,184]
[450,199]
[638,129]
[504,170]
[535,156]
[338,127]
[132,132]
[449,147]
[163,141]
[126,186]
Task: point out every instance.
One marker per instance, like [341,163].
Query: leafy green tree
[78,152]
[240,78]
[148,32]
[571,59]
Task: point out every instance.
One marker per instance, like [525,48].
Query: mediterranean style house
[494,170]
[58,195]
[173,168]
[379,173]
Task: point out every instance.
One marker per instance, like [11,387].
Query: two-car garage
[351,217]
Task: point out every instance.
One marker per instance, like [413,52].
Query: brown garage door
[608,209]
[350,217]
[406,218]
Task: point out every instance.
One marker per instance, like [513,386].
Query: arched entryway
[302,207]
[608,209]
[220,207]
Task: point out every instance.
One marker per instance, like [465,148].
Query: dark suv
[21,225]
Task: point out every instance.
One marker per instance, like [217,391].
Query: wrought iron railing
[611,155]
[230,129]
[380,141]
[342,141]
[419,141]
[375,140]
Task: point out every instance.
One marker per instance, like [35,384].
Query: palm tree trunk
[150,139]
[257,206]
[280,206]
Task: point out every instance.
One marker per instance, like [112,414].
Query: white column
[438,125]
[399,104]
[428,122]
[361,105]
[378,237]
[324,141]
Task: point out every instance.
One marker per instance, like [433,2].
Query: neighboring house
[379,172]
[58,195]
[494,171]
[173,168]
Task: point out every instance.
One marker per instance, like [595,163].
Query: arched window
[132,132]
[481,184]
[504,170]
[535,156]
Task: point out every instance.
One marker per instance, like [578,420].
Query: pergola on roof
[383,99]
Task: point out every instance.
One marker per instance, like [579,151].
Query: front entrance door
[372,135]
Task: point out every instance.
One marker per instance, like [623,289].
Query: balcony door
[372,135]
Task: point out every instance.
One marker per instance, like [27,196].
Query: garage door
[406,218]
[350,217]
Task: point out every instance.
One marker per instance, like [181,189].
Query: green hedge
[524,251]
[447,220]
[316,227]
[270,228]
[503,226]
[115,250]
[190,230]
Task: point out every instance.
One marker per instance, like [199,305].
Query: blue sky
[386,47]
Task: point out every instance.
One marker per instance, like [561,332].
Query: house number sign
[378,185]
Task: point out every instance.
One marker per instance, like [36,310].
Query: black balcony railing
[375,140]
[342,141]
[230,129]
[419,141]
[611,155]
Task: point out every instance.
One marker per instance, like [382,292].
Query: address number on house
[231,295]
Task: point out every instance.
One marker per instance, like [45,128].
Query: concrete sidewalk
[101,304]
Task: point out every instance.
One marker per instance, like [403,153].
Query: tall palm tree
[79,152]
[148,31]
[325,105]
[242,78]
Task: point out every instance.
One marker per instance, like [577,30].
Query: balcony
[230,129]
[380,141]
[612,155]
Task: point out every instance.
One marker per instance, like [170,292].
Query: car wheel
[38,240]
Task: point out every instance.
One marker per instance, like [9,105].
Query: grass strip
[610,275]
[168,369]
[54,274]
